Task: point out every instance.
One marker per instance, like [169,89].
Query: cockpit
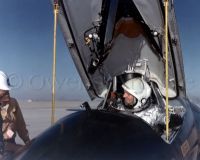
[132,59]
[135,94]
[118,42]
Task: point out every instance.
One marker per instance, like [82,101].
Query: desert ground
[37,114]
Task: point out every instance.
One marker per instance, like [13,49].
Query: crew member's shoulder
[13,101]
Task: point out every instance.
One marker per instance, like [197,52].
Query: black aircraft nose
[98,135]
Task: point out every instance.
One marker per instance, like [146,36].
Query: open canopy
[108,38]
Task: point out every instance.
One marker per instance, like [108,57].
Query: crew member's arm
[1,137]
[21,125]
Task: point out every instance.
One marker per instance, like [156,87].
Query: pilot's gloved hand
[113,95]
[116,104]
[175,120]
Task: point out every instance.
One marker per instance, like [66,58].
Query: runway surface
[37,115]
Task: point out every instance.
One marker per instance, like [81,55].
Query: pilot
[13,121]
[136,96]
[138,101]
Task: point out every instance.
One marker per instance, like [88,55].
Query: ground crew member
[13,121]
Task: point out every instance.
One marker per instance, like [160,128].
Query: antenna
[56,8]
[166,68]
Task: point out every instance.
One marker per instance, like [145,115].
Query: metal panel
[151,13]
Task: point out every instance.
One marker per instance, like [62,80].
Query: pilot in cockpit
[139,99]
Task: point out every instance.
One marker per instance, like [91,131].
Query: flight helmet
[140,89]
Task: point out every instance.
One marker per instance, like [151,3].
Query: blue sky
[26,44]
[188,14]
